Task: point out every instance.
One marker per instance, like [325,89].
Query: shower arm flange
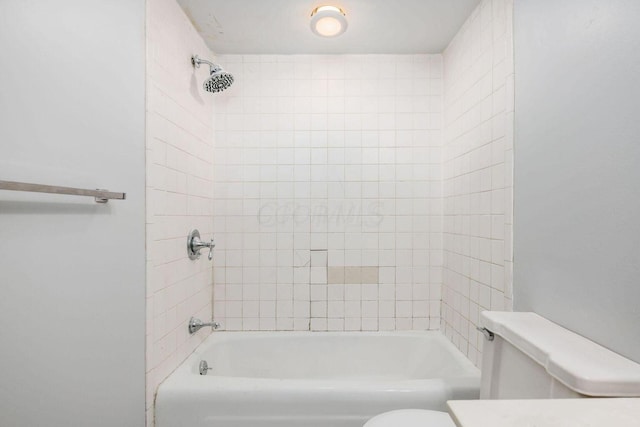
[196,61]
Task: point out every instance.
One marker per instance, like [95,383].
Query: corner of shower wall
[179,191]
[478,173]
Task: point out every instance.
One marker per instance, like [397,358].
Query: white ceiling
[282,26]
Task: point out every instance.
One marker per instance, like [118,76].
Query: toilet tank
[529,357]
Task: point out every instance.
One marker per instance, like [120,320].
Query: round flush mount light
[328,21]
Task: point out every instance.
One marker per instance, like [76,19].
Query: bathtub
[313,379]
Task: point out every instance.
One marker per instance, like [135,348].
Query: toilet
[526,356]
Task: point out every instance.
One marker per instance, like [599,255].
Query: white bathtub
[313,379]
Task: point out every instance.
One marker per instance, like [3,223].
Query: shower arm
[196,61]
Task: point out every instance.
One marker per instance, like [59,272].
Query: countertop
[592,412]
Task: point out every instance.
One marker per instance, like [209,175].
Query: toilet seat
[411,418]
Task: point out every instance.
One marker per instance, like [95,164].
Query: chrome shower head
[218,79]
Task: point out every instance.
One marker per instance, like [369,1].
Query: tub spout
[196,324]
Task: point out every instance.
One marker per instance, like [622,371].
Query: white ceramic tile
[302,187]
[180,171]
[477,176]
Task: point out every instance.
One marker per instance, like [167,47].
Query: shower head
[218,79]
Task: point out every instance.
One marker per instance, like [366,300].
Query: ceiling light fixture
[328,21]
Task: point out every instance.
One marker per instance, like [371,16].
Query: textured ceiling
[282,26]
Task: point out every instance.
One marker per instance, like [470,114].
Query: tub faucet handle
[211,246]
[194,244]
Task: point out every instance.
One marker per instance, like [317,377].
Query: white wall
[328,191]
[72,271]
[179,190]
[477,173]
[577,204]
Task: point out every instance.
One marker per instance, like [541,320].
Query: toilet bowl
[411,418]
[526,356]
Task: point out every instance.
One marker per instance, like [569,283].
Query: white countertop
[594,412]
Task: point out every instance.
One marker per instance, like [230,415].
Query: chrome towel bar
[101,196]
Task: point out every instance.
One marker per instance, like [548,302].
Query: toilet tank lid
[575,361]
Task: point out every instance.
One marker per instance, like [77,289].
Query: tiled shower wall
[179,190]
[328,204]
[478,173]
